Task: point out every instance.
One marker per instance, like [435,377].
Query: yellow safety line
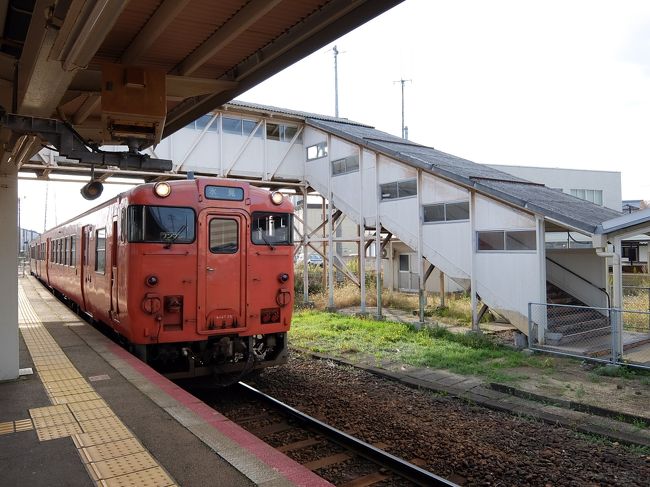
[111,453]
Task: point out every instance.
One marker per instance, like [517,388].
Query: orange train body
[197,281]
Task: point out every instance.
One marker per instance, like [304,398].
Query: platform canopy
[53,55]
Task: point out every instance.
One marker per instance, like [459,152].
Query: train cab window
[100,250]
[224,236]
[163,224]
[272,229]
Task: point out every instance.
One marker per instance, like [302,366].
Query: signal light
[284,277]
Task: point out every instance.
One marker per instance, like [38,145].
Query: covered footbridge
[493,234]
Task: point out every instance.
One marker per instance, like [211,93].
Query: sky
[551,84]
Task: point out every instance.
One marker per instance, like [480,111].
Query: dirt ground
[566,378]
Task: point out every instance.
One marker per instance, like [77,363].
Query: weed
[580,391]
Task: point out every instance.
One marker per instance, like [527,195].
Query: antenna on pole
[405,129]
[336,82]
[336,79]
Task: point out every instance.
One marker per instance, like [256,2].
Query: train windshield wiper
[172,237]
[267,242]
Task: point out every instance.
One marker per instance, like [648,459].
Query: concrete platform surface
[92,414]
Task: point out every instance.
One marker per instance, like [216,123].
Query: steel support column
[8,279]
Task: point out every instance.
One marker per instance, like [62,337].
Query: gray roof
[564,208]
[637,221]
[256,107]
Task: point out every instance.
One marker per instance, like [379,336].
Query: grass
[623,373]
[467,354]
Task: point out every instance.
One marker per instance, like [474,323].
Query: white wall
[585,263]
[8,281]
[607,181]
[507,281]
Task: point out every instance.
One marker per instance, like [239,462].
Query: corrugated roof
[256,107]
[569,210]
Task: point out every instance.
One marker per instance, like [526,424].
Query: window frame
[98,250]
[257,214]
[505,248]
[321,151]
[345,162]
[130,239]
[397,183]
[444,206]
[224,219]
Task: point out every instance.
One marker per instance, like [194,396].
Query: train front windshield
[162,224]
[272,228]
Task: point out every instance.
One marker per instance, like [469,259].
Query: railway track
[337,456]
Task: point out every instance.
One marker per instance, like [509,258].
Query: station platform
[92,414]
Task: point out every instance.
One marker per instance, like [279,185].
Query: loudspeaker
[92,190]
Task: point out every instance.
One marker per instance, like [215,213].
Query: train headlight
[277,197]
[162,189]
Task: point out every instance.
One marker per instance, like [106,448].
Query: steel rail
[396,464]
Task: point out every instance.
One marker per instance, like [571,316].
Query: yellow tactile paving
[102,424]
[59,431]
[71,398]
[107,451]
[55,420]
[123,465]
[6,428]
[93,414]
[48,411]
[113,456]
[23,425]
[87,405]
[99,437]
[153,477]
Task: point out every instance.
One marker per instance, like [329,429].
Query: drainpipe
[617,292]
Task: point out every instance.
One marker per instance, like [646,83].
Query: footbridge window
[346,165]
[317,151]
[507,241]
[446,212]
[399,189]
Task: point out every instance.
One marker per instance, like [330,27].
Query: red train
[196,276]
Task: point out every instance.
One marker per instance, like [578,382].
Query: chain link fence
[599,334]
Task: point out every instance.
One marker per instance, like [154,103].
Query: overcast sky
[552,83]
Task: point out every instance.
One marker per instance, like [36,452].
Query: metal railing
[608,335]
[601,289]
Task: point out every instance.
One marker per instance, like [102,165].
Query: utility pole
[336,82]
[405,130]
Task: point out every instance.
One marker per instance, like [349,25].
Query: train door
[115,308]
[48,260]
[86,271]
[222,267]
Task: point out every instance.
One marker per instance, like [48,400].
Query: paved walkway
[92,414]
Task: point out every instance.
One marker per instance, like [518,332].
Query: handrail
[601,289]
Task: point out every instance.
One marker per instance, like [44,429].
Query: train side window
[123,225]
[100,250]
[224,236]
[66,248]
[73,251]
